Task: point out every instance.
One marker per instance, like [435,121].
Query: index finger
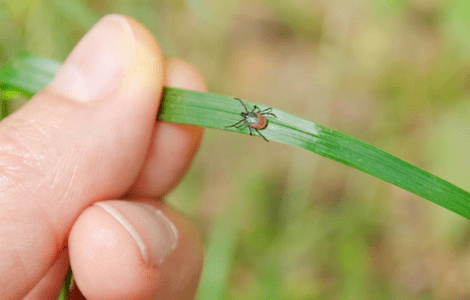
[173,146]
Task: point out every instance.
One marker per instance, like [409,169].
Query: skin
[61,153]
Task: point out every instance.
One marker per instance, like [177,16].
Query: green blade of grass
[217,111]
[28,73]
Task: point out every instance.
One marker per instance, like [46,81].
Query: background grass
[278,222]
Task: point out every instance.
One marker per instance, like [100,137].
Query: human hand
[66,157]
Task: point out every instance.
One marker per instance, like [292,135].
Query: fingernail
[154,233]
[99,62]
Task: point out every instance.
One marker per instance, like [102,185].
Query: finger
[83,139]
[173,146]
[135,250]
[49,285]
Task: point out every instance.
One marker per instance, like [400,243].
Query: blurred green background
[280,222]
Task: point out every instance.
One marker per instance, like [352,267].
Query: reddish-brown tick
[255,119]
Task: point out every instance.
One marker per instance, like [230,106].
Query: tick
[255,119]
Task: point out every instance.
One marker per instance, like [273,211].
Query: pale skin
[85,152]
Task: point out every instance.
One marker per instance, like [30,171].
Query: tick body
[255,119]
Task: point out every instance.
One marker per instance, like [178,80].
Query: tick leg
[241,125]
[246,109]
[235,125]
[261,135]
[251,132]
[270,114]
[267,110]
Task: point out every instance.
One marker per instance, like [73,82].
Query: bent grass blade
[30,73]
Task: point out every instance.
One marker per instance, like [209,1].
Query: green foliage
[217,111]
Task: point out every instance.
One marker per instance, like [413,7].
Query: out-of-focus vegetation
[279,222]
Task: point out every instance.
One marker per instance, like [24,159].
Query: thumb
[81,140]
